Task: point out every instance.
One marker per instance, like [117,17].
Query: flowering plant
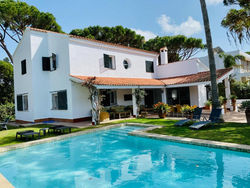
[161,107]
[186,109]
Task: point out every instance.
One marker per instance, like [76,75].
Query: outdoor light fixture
[174,94]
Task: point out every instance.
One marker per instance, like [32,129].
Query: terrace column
[227,91]
[134,103]
[164,96]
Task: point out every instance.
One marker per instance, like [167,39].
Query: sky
[149,18]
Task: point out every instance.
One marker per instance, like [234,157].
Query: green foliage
[6,82]
[238,21]
[139,96]
[229,60]
[186,109]
[240,89]
[221,89]
[222,100]
[117,35]
[245,105]
[15,16]
[208,103]
[233,97]
[7,111]
[179,47]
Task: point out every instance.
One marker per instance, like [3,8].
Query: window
[59,100]
[23,66]
[109,61]
[128,97]
[149,66]
[109,97]
[125,64]
[49,63]
[22,102]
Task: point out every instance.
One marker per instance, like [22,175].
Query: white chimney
[164,56]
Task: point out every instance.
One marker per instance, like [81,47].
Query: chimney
[163,56]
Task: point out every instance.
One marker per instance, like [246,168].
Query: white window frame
[54,103]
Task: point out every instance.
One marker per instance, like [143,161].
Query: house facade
[50,69]
[241,72]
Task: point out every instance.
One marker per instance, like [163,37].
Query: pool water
[112,158]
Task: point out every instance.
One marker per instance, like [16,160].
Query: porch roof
[200,77]
[113,81]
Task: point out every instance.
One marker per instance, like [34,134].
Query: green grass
[225,132]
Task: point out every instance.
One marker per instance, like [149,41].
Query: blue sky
[147,17]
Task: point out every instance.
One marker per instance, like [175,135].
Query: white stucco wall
[193,90]
[23,83]
[181,68]
[120,97]
[86,58]
[202,95]
[198,95]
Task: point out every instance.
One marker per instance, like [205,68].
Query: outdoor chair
[62,129]
[196,117]
[3,125]
[213,118]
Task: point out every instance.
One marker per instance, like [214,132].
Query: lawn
[225,132]
[8,137]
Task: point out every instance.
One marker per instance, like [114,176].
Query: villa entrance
[178,96]
[153,96]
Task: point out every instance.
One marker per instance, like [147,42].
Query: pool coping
[141,133]
[4,182]
[192,141]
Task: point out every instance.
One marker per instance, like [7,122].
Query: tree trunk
[4,47]
[212,67]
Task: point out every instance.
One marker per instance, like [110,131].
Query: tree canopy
[230,60]
[6,82]
[179,47]
[117,35]
[237,21]
[15,16]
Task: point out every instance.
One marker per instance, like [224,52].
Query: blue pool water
[112,158]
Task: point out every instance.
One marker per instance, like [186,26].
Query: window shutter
[62,100]
[23,67]
[46,63]
[106,60]
[54,61]
[19,102]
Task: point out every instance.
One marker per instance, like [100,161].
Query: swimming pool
[112,158]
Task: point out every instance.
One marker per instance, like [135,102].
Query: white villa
[50,68]
[241,72]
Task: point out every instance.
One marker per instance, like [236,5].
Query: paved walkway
[239,117]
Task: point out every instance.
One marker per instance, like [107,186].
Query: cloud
[213,2]
[147,34]
[187,28]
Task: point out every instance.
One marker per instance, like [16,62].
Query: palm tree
[212,67]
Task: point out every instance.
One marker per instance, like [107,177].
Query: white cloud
[213,2]
[147,34]
[187,28]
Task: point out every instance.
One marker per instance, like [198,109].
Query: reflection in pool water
[112,158]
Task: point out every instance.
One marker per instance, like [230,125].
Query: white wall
[202,95]
[193,90]
[120,97]
[191,66]
[86,58]
[23,83]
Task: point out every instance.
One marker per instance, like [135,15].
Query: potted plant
[233,100]
[188,111]
[246,106]
[223,101]
[208,105]
[162,109]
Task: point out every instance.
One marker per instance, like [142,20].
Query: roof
[94,40]
[187,79]
[111,81]
[194,78]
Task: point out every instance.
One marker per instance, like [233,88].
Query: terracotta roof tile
[194,78]
[123,81]
[97,41]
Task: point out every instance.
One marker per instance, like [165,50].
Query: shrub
[245,105]
[7,110]
[208,103]
[186,109]
[161,107]
[222,100]
[241,90]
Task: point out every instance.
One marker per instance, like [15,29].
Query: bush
[245,105]
[7,110]
[241,90]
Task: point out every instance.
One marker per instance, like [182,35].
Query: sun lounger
[62,129]
[196,117]
[213,118]
[26,134]
[53,128]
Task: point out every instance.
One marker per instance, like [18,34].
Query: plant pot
[247,112]
[162,115]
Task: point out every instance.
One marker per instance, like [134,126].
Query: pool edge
[4,182]
[192,141]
